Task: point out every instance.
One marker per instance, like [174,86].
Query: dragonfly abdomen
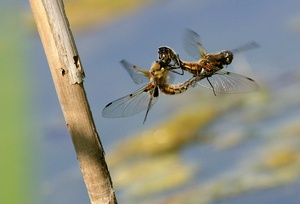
[171,89]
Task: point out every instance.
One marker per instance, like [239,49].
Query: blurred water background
[194,147]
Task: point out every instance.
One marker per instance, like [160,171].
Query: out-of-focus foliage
[17,142]
[139,165]
[83,14]
[171,135]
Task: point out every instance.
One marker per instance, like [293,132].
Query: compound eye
[161,56]
[228,59]
[228,56]
[225,53]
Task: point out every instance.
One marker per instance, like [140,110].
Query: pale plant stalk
[67,74]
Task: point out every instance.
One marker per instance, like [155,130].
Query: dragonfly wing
[131,104]
[171,77]
[246,47]
[228,82]
[192,44]
[138,74]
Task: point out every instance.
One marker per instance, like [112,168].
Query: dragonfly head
[167,54]
[227,56]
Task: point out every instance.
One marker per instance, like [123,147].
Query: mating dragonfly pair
[207,72]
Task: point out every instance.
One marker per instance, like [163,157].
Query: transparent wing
[248,46]
[171,77]
[138,74]
[192,44]
[131,104]
[228,82]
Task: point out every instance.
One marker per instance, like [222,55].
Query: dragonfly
[210,66]
[145,97]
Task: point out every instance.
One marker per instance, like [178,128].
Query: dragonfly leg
[154,94]
[211,86]
[173,70]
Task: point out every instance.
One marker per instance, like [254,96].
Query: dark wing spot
[250,79]
[255,44]
[108,104]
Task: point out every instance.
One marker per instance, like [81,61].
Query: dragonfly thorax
[158,70]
